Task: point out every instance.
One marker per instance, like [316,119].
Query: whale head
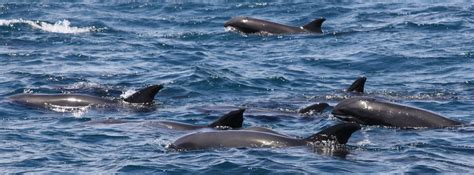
[354,110]
[244,24]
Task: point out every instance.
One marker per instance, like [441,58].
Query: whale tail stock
[358,85]
[340,132]
[145,95]
[233,119]
[315,26]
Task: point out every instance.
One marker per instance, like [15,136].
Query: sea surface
[415,53]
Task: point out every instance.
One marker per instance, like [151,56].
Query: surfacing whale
[339,134]
[314,108]
[231,120]
[253,25]
[357,87]
[372,111]
[143,96]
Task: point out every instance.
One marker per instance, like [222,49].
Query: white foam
[366,140]
[230,29]
[127,93]
[84,85]
[58,27]
[76,111]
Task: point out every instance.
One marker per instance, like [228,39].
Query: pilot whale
[143,96]
[253,25]
[357,87]
[231,120]
[372,111]
[316,108]
[339,133]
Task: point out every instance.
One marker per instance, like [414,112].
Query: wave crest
[63,26]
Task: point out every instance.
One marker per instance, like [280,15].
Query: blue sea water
[415,53]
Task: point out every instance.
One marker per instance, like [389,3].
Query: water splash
[127,93]
[75,111]
[63,26]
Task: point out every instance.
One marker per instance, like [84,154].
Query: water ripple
[415,53]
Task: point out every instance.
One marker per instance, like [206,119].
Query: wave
[58,27]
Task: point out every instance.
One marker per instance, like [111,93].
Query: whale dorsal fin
[233,119]
[145,95]
[315,26]
[339,132]
[358,85]
[318,107]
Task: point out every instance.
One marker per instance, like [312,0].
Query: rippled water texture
[419,54]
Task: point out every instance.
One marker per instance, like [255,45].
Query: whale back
[315,26]
[145,95]
[340,133]
[233,119]
[318,107]
[371,111]
[253,25]
[357,85]
[260,138]
[66,100]
[233,139]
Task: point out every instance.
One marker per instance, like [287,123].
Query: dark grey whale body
[251,138]
[230,120]
[253,25]
[317,107]
[143,96]
[371,111]
[357,88]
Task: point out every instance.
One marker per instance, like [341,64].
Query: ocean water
[415,53]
